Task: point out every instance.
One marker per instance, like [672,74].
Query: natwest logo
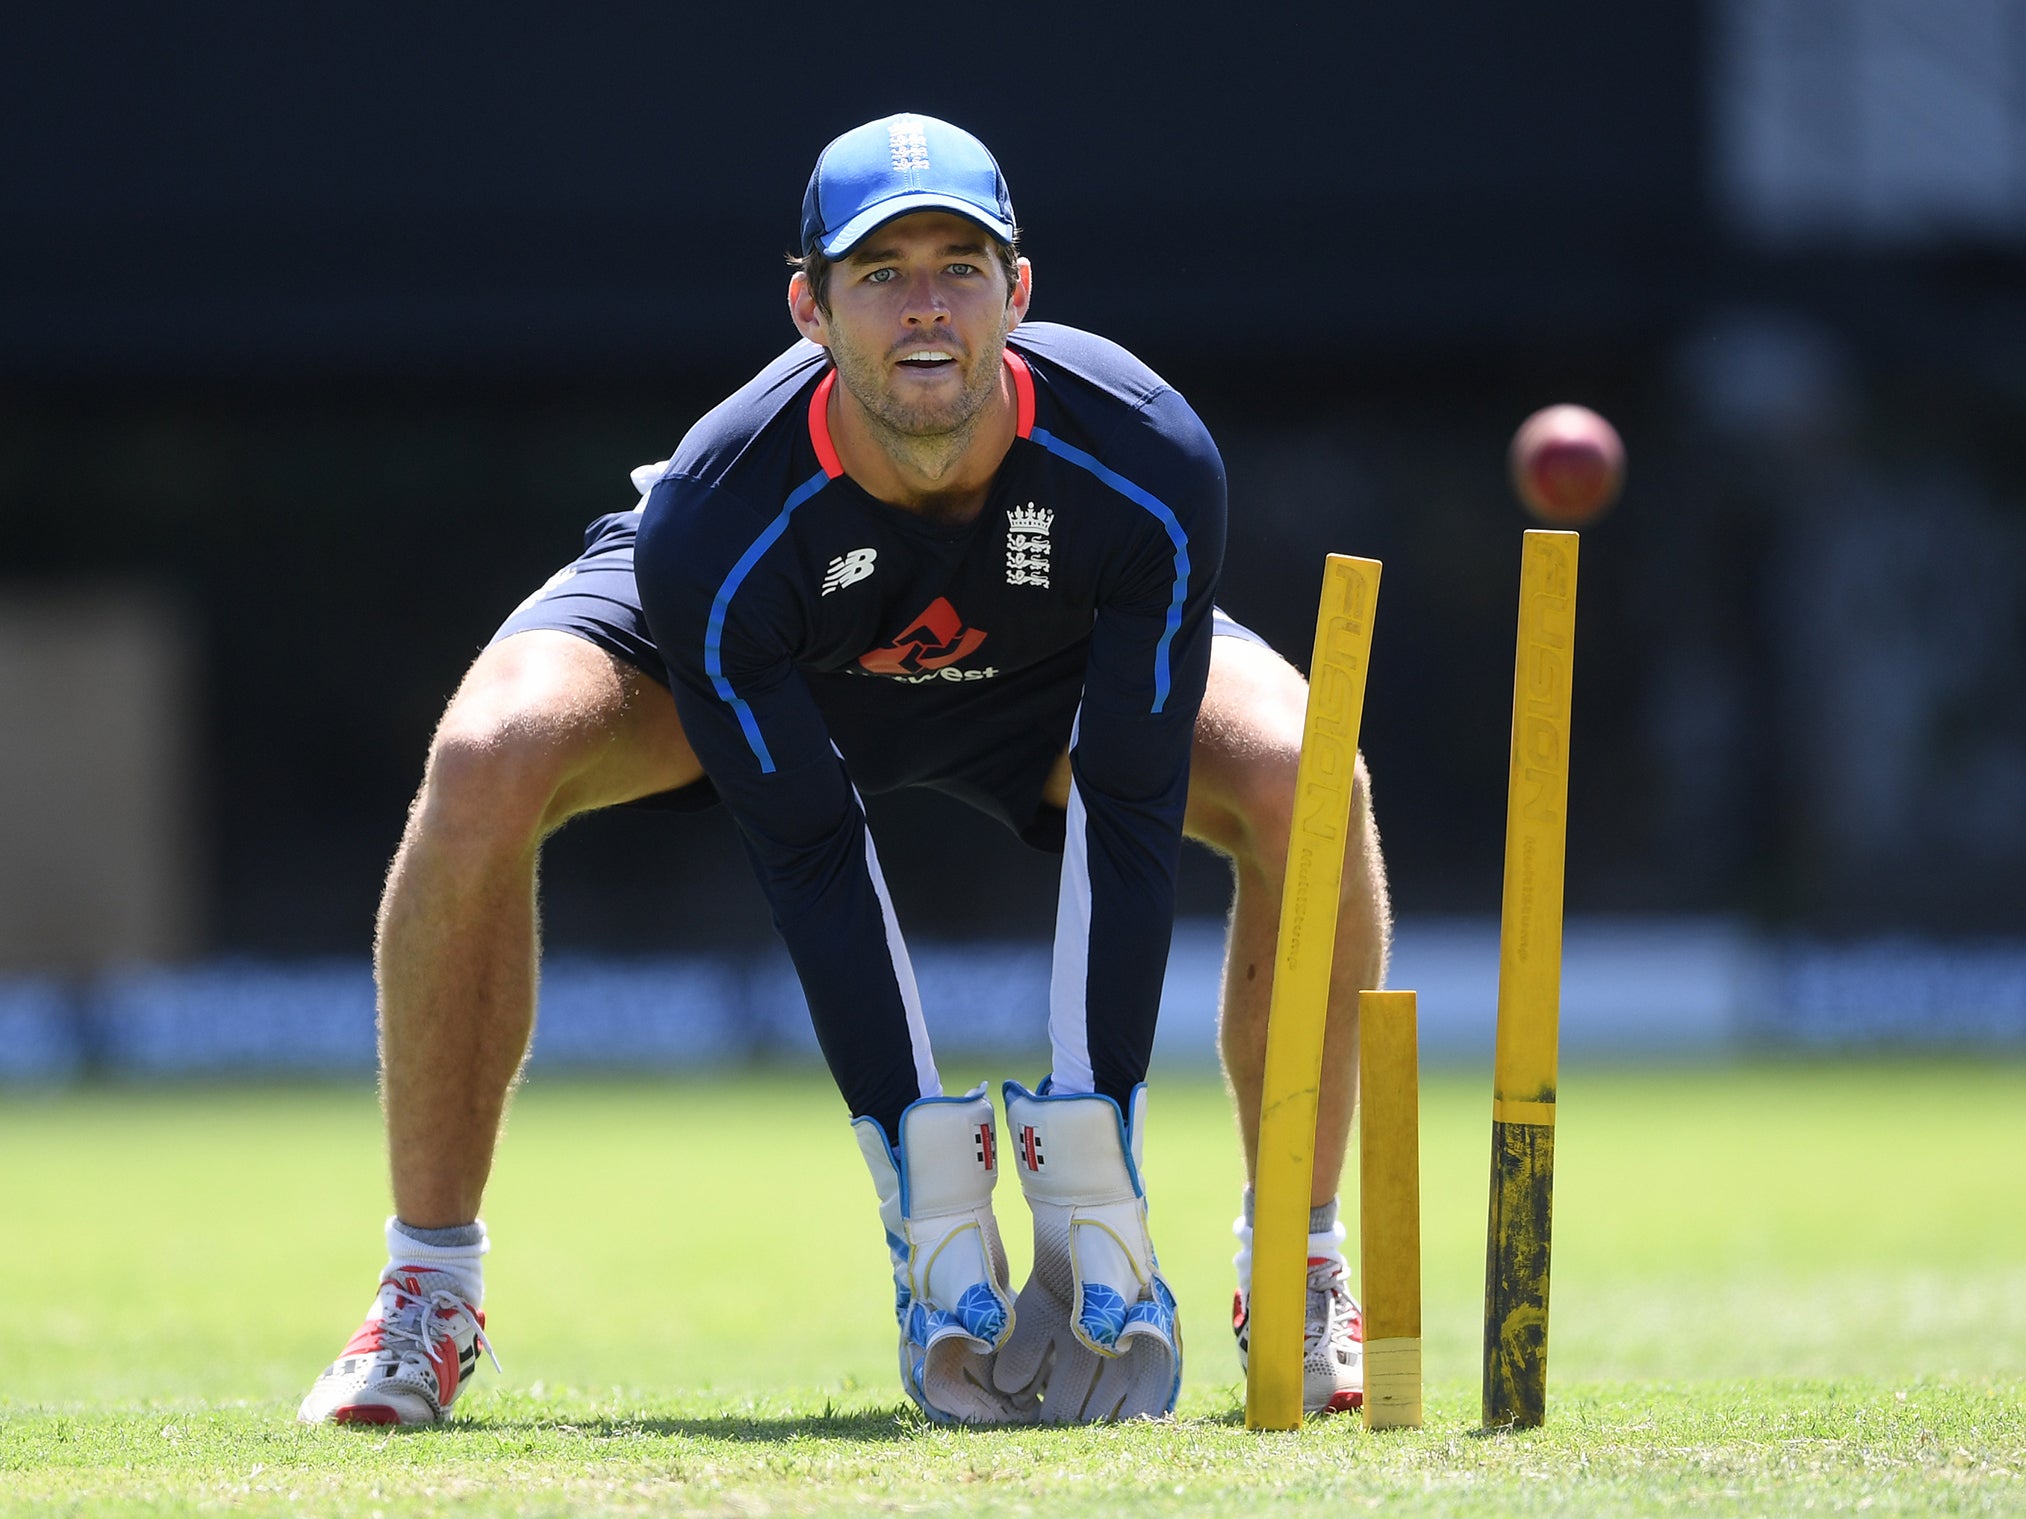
[928,647]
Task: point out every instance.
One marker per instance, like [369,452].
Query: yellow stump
[1389,1207]
[1529,989]
[1301,983]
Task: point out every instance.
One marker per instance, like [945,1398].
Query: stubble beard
[927,438]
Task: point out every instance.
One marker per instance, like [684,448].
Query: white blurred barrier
[1631,989]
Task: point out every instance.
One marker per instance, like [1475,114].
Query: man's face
[919,313]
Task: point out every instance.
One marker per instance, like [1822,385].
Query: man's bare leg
[1241,803]
[545,726]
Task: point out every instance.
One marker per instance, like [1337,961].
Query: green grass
[1776,1287]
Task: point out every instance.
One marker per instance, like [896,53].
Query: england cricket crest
[1027,545]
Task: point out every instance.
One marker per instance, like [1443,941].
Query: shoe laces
[425,1321]
[1334,1317]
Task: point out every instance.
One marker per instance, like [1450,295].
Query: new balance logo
[848,569]
[987,1145]
[1030,1147]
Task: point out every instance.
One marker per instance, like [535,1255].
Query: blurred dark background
[322,334]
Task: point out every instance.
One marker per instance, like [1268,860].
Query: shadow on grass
[864,1426]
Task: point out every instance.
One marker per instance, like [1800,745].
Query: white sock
[1326,1243]
[462,1263]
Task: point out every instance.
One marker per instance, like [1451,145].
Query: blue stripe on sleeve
[1166,518]
[714,630]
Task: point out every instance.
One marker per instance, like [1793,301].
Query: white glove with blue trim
[951,1293]
[1096,1335]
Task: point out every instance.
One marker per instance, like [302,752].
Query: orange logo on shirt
[936,638]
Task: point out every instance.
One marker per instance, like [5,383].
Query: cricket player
[932,544]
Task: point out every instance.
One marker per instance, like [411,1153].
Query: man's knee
[488,778]
[1262,801]
[1249,810]
[1248,745]
[523,725]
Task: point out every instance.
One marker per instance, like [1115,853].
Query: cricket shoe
[1332,1340]
[409,1360]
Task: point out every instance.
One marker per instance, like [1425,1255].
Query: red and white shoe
[1333,1340]
[409,1360]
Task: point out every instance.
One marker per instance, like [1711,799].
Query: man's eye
[879,277]
[963,268]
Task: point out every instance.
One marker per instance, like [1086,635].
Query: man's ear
[809,318]
[1021,296]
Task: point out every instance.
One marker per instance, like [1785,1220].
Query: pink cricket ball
[1568,465]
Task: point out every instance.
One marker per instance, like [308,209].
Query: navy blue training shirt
[818,639]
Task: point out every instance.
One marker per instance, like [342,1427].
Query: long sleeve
[1149,660]
[727,614]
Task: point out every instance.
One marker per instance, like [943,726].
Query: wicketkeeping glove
[951,1294]
[1095,1335]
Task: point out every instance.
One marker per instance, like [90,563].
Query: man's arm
[1129,757]
[726,612]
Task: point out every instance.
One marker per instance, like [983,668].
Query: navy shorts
[999,766]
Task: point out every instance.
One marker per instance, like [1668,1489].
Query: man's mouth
[928,360]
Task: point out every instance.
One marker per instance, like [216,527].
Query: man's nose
[925,302]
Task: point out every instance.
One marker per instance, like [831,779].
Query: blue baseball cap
[899,164]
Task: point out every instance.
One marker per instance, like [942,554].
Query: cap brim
[853,232]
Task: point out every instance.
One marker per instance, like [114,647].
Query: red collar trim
[819,427]
[1023,393]
[819,412]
